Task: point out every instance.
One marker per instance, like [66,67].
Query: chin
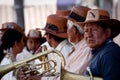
[91,46]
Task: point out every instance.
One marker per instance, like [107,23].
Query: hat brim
[107,21]
[32,37]
[112,23]
[58,34]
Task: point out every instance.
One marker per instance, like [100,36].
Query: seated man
[80,54]
[99,33]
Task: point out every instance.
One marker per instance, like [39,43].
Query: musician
[56,35]
[100,31]
[34,41]
[12,44]
[80,54]
[6,26]
[32,44]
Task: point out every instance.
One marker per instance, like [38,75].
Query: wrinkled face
[33,44]
[94,35]
[71,31]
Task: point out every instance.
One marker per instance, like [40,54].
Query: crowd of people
[84,37]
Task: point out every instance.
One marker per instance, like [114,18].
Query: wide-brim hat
[78,14]
[102,16]
[11,25]
[56,25]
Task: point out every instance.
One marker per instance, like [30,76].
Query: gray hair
[79,28]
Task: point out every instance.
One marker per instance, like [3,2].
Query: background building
[35,12]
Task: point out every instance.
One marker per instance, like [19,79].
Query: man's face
[94,35]
[71,31]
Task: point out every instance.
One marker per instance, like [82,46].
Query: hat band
[53,28]
[76,17]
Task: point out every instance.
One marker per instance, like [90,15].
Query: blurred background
[31,14]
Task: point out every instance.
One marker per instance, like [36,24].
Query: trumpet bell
[66,75]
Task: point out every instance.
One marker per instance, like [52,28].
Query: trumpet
[64,75]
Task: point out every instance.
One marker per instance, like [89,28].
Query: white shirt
[24,54]
[64,47]
[79,59]
[47,45]
[8,76]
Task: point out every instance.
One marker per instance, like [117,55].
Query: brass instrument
[7,68]
[45,58]
[64,75]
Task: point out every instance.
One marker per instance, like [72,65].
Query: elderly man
[99,33]
[80,55]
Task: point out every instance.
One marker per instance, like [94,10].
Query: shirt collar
[105,43]
[59,47]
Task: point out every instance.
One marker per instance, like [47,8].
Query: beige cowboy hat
[56,25]
[78,14]
[102,16]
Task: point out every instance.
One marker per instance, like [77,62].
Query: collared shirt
[47,45]
[24,54]
[79,59]
[64,47]
[27,54]
[8,76]
[105,62]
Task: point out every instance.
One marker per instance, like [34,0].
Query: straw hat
[56,25]
[33,34]
[78,13]
[102,16]
[11,25]
[63,12]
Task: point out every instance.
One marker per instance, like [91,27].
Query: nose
[88,34]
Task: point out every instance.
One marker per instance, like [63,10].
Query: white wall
[39,2]
[6,2]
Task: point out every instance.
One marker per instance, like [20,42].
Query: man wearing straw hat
[80,54]
[99,33]
[59,13]
[56,35]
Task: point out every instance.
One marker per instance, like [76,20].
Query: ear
[49,36]
[108,32]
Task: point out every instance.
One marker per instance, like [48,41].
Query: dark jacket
[105,61]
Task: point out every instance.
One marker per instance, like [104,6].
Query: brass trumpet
[64,75]
[7,68]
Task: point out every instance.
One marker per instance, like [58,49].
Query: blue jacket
[105,61]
